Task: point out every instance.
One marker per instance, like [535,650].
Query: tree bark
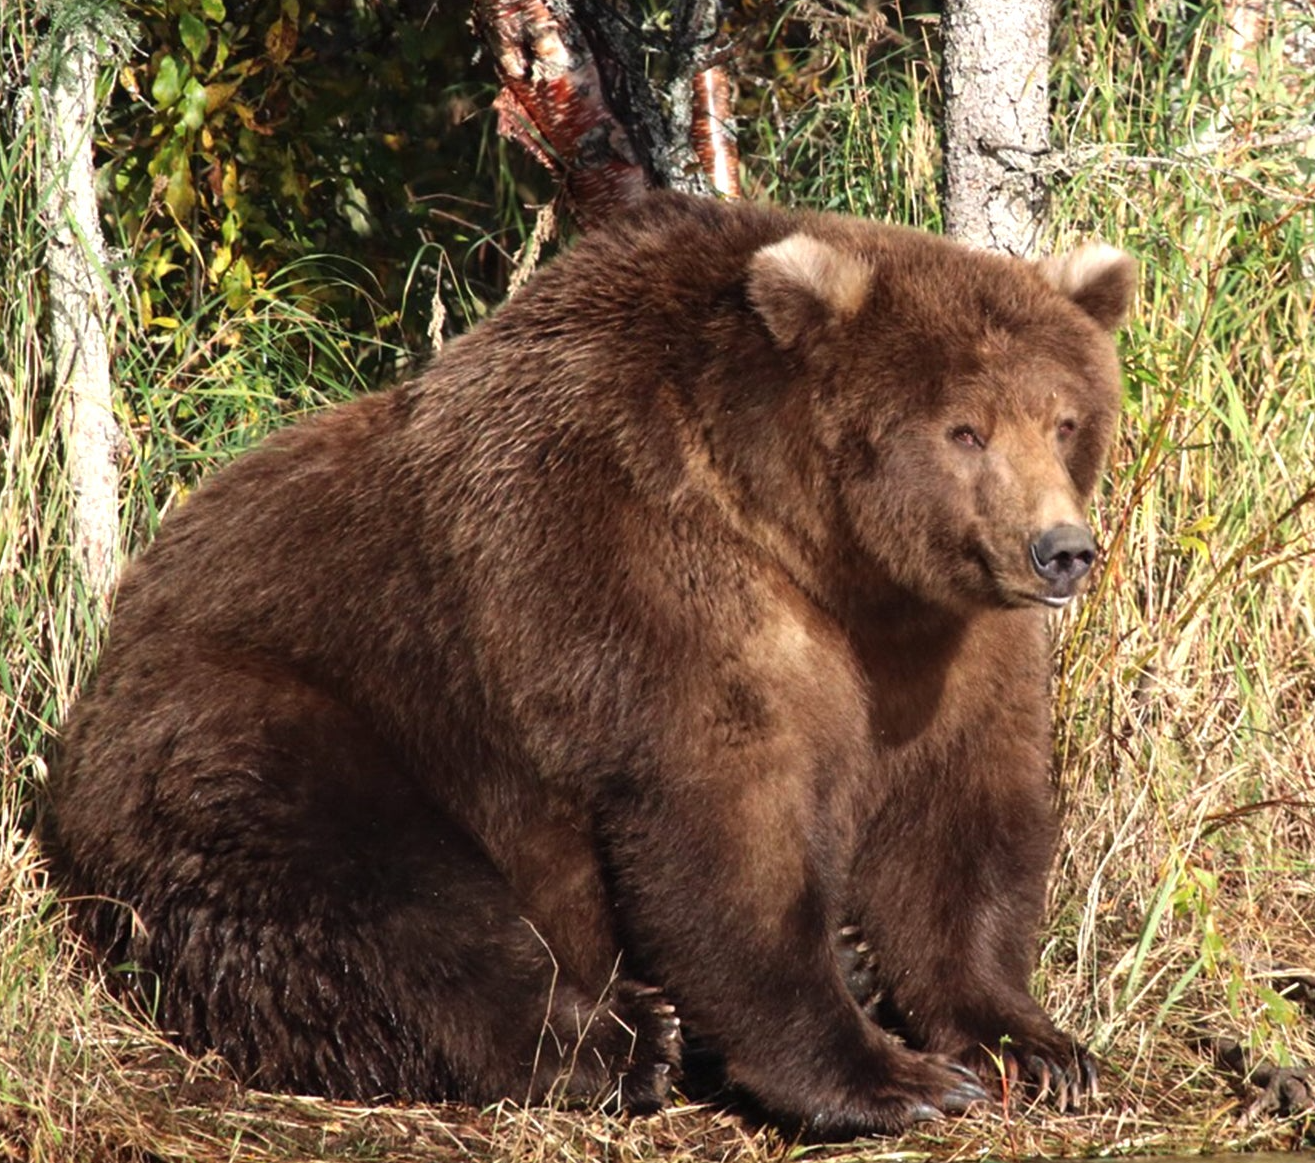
[1247,22]
[997,63]
[553,103]
[686,133]
[79,310]
[576,92]
[712,133]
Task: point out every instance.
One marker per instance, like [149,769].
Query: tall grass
[45,632]
[1187,697]
[79,1076]
[1184,897]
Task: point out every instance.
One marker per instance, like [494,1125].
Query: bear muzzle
[1061,557]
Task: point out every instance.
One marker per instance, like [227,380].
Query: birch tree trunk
[552,102]
[577,94]
[79,310]
[997,63]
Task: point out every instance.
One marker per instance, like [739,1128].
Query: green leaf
[222,48]
[213,10]
[237,284]
[168,83]
[1280,1009]
[194,104]
[194,34]
[179,193]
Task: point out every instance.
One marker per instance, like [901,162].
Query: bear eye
[968,436]
[1065,429]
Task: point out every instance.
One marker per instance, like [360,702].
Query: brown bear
[668,662]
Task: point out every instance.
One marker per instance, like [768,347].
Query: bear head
[965,403]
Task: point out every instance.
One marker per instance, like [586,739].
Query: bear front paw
[1061,1073]
[922,1088]
[858,967]
[884,1091]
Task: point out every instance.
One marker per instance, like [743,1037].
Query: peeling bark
[996,70]
[552,102]
[576,92]
[79,312]
[713,137]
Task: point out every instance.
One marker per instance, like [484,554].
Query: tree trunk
[79,311]
[712,133]
[1248,22]
[576,92]
[553,102]
[997,63]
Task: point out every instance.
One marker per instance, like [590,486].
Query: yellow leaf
[281,39]
[229,186]
[220,263]
[218,94]
[179,194]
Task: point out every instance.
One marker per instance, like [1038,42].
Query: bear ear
[800,284]
[1097,277]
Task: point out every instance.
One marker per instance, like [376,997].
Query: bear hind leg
[301,907]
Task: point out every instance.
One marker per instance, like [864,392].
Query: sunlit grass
[1186,703]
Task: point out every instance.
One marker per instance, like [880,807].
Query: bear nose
[1063,554]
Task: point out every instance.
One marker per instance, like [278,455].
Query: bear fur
[666,664]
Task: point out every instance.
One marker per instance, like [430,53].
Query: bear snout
[1061,556]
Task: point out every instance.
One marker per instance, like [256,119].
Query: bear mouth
[1016,593]
[1015,597]
[1053,601]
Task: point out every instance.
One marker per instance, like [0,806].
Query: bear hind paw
[648,1046]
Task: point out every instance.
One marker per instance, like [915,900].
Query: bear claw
[1065,1087]
[959,1099]
[653,1064]
[855,958]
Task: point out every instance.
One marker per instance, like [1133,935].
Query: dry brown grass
[83,1080]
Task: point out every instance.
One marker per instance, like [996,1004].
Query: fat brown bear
[665,666]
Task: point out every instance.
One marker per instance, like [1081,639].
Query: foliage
[1185,684]
[840,106]
[249,134]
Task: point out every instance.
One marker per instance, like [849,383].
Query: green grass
[1185,684]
